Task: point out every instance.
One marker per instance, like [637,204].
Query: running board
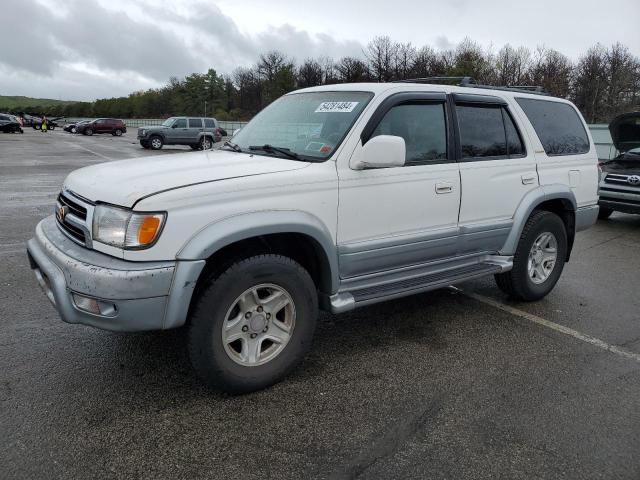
[359,297]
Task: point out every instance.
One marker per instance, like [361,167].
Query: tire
[88,131]
[519,283]
[37,127]
[219,363]
[74,130]
[52,127]
[604,213]
[145,144]
[117,132]
[206,143]
[155,142]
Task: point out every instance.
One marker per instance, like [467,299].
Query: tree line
[603,82]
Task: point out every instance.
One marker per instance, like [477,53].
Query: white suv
[336,196]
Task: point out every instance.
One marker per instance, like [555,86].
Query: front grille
[74,219]
[75,208]
[619,179]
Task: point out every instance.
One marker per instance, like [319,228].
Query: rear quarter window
[557,125]
[209,123]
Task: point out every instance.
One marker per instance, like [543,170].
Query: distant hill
[9,102]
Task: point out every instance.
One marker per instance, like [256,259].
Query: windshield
[309,125]
[168,122]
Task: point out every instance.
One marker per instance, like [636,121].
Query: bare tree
[351,69]
[310,74]
[551,70]
[380,53]
[404,59]
[511,65]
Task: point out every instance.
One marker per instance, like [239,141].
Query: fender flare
[226,231]
[529,202]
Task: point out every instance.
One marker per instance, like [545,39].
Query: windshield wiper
[232,146]
[271,149]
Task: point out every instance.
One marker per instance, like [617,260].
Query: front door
[496,170]
[178,132]
[395,217]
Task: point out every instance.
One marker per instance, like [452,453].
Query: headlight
[143,132]
[126,229]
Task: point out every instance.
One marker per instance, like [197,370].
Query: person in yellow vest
[44,124]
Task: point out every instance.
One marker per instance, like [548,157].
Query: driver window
[423,127]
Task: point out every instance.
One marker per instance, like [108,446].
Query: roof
[378,88]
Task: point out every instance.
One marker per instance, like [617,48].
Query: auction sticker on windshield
[336,107]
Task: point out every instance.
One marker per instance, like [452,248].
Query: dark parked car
[102,125]
[197,132]
[73,127]
[620,179]
[9,124]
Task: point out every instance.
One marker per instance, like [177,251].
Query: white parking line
[552,325]
[89,150]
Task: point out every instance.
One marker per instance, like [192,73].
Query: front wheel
[156,142]
[144,144]
[88,131]
[539,258]
[253,324]
[73,130]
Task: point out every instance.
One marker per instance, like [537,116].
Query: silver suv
[200,133]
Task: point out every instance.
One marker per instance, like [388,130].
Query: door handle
[529,178]
[444,187]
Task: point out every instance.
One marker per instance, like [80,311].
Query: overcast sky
[87,49]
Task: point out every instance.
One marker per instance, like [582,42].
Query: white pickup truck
[334,197]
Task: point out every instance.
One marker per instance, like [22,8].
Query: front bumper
[135,295]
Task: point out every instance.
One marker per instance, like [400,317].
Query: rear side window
[180,123]
[557,125]
[195,123]
[423,127]
[488,131]
[209,123]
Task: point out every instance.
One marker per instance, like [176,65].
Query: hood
[126,181]
[625,131]
[626,163]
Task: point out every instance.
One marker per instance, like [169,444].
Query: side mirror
[175,125]
[383,151]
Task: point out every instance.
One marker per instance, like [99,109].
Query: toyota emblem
[60,213]
[633,180]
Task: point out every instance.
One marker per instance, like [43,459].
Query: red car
[102,125]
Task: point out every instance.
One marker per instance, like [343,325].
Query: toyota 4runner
[335,197]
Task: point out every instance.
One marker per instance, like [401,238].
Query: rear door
[194,129]
[496,171]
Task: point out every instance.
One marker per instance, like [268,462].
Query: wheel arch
[555,198]
[295,233]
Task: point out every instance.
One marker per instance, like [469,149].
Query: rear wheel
[117,132]
[88,131]
[156,142]
[253,324]
[206,143]
[604,213]
[539,258]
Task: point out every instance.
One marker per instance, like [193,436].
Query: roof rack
[471,83]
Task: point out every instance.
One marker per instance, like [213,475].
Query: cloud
[84,49]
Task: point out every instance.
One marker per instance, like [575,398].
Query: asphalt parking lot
[449,384]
